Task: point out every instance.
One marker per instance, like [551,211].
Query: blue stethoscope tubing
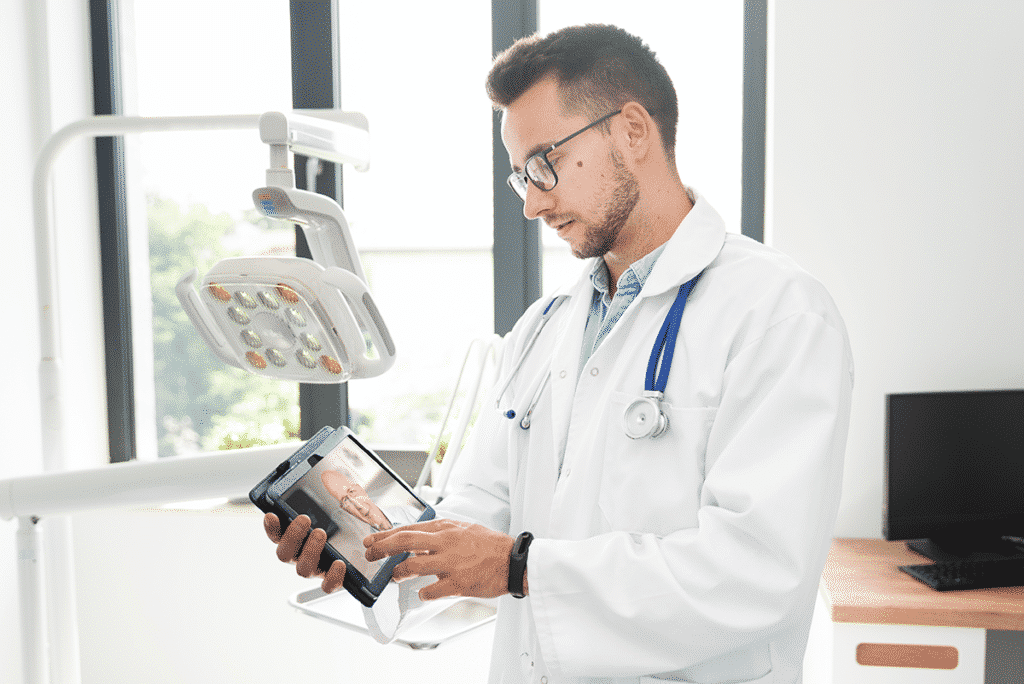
[665,345]
[642,418]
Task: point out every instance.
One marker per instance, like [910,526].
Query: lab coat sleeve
[628,604]
[479,494]
[478,500]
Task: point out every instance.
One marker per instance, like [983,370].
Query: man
[354,500]
[692,555]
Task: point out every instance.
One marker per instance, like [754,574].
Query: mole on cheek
[579,163]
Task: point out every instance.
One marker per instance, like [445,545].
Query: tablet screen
[350,495]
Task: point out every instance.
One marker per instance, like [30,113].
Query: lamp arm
[322,220]
[330,135]
[51,371]
[139,483]
[344,138]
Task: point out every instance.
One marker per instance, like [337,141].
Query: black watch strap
[517,564]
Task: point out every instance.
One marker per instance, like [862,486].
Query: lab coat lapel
[565,359]
[695,244]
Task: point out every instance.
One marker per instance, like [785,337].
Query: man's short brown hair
[599,68]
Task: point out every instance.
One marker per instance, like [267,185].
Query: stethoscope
[644,417]
[538,327]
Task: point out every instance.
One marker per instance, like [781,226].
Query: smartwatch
[517,564]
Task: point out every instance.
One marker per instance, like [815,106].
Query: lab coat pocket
[653,484]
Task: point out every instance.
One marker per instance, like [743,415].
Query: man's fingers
[291,542]
[306,565]
[423,538]
[402,541]
[334,578]
[272,526]
[439,589]
[415,566]
[428,526]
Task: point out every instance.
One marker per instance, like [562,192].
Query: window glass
[701,46]
[190,205]
[422,215]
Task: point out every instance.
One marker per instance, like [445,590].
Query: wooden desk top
[861,583]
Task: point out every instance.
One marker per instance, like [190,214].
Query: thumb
[272,526]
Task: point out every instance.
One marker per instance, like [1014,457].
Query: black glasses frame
[517,179]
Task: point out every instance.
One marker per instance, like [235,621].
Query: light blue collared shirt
[605,311]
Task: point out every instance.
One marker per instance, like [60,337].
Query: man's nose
[537,201]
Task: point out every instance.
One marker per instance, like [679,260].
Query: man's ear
[641,132]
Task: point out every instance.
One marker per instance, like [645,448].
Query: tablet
[349,492]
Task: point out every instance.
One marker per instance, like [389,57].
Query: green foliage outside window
[201,403]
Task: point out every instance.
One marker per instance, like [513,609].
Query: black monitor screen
[954,464]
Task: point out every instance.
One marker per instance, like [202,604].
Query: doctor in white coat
[689,556]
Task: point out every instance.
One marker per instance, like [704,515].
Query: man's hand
[468,560]
[306,557]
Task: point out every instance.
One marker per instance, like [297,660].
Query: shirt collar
[632,279]
[694,245]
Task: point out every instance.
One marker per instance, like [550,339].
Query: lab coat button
[562,374]
[543,680]
[593,371]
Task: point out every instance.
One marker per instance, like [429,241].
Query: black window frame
[113,229]
[316,84]
[316,80]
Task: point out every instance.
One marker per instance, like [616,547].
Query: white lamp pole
[58,612]
[49,628]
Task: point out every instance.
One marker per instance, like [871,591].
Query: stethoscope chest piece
[644,417]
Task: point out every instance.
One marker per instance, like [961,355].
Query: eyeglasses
[539,170]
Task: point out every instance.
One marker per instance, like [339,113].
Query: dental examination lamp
[291,318]
[323,308]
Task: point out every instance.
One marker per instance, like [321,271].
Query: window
[422,215]
[189,201]
[701,46]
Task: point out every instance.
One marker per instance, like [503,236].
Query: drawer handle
[908,655]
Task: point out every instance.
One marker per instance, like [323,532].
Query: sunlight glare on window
[701,46]
[190,202]
[425,241]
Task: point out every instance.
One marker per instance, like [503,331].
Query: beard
[600,237]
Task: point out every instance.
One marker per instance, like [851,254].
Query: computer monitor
[954,471]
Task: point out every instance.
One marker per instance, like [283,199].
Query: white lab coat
[694,556]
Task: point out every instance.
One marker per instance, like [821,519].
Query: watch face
[517,565]
[521,542]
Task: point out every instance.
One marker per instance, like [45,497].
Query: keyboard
[1003,572]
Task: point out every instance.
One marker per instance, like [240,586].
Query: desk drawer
[907,654]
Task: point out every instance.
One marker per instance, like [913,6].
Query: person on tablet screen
[354,500]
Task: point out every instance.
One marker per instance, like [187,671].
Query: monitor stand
[958,549]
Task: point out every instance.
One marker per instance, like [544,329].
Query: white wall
[177,597]
[897,145]
[18,396]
